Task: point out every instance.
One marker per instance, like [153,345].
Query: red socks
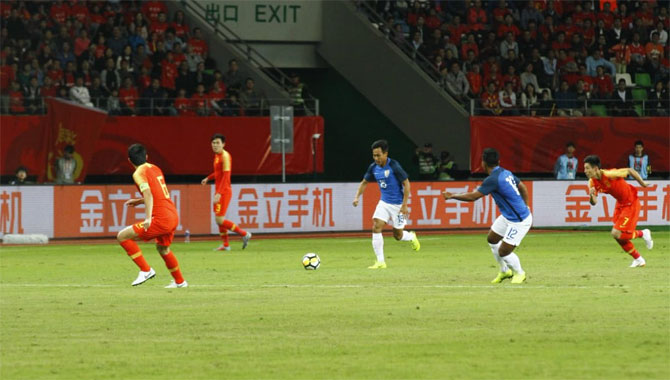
[223,232]
[228,225]
[133,250]
[629,248]
[173,266]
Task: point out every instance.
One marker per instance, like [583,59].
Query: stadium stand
[493,41]
[126,57]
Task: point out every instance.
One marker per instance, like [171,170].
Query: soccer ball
[311,261]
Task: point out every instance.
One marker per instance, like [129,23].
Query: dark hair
[491,157]
[639,142]
[383,144]
[69,149]
[570,144]
[592,160]
[218,136]
[137,154]
[21,169]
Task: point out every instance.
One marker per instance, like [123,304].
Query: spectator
[118,42]
[457,84]
[197,44]
[595,60]
[426,161]
[169,73]
[193,59]
[16,105]
[81,43]
[566,101]
[507,100]
[233,77]
[98,93]
[200,101]
[184,79]
[32,96]
[529,100]
[183,104]
[509,44]
[659,100]
[216,95]
[653,47]
[155,100]
[250,99]
[602,84]
[621,55]
[128,97]
[490,100]
[66,166]
[547,104]
[475,81]
[470,46]
[566,164]
[446,167]
[179,25]
[230,106]
[662,34]
[110,77]
[530,13]
[622,103]
[201,76]
[20,177]
[79,93]
[298,92]
[638,55]
[528,77]
[639,161]
[114,103]
[48,89]
[160,25]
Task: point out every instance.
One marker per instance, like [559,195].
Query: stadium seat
[638,110]
[599,110]
[642,80]
[639,94]
[626,77]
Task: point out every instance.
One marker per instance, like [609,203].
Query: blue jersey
[389,178]
[640,164]
[502,185]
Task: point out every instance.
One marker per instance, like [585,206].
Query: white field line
[341,286]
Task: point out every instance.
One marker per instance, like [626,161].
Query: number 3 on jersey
[161,180]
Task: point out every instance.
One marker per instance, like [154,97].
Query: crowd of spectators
[126,57]
[540,57]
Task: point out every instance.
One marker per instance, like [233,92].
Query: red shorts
[162,229]
[626,216]
[221,207]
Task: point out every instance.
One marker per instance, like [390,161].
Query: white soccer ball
[311,261]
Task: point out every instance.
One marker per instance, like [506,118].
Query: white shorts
[512,232]
[390,214]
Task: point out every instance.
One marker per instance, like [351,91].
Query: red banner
[75,125]
[179,145]
[533,144]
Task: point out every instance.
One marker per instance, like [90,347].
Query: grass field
[69,312]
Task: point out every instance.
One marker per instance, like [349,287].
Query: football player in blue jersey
[511,197]
[392,207]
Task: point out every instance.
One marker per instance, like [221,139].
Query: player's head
[639,147]
[591,165]
[380,152]
[570,148]
[137,154]
[218,142]
[490,158]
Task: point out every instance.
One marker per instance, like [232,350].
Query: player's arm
[149,205]
[523,190]
[637,177]
[361,188]
[593,194]
[405,197]
[204,181]
[466,197]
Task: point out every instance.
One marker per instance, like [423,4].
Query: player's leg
[624,230]
[494,239]
[163,247]
[378,242]
[512,238]
[126,239]
[398,222]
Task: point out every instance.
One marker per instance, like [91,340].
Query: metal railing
[576,108]
[172,107]
[244,49]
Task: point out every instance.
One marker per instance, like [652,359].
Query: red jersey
[612,182]
[168,74]
[223,164]
[128,96]
[151,9]
[149,176]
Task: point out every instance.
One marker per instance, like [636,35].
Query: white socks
[406,236]
[501,262]
[513,261]
[378,246]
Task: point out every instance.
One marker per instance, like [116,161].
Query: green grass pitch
[69,312]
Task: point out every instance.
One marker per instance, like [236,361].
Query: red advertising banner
[70,124]
[179,145]
[533,144]
[428,209]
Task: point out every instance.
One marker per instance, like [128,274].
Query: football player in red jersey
[223,192]
[160,223]
[627,208]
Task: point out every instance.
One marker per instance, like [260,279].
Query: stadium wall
[98,211]
[531,145]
